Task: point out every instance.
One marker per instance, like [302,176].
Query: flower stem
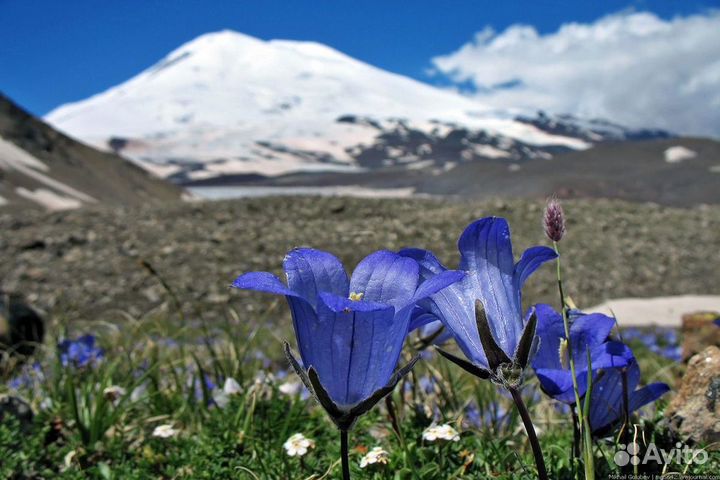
[530,429]
[389,404]
[583,421]
[576,436]
[588,444]
[566,324]
[344,454]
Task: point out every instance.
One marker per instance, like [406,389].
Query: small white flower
[164,431]
[441,432]
[290,388]
[297,445]
[230,388]
[113,393]
[375,456]
[138,392]
[46,404]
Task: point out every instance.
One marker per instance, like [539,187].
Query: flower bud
[554,220]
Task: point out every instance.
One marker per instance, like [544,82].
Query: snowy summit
[229,104]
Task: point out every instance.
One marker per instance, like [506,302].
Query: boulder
[21,327]
[694,413]
[699,331]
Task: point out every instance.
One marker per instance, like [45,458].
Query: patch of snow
[678,153]
[490,152]
[3,201]
[49,199]
[219,193]
[714,169]
[663,311]
[424,149]
[420,165]
[12,156]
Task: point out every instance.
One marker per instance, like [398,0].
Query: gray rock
[694,413]
[21,327]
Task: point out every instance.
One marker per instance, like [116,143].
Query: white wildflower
[441,432]
[290,388]
[297,445]
[376,456]
[113,393]
[164,431]
[230,388]
[138,392]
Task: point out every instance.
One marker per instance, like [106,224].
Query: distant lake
[221,193]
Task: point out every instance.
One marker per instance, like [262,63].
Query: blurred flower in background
[441,432]
[165,431]
[376,456]
[81,352]
[222,397]
[298,445]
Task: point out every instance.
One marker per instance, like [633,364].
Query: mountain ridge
[41,168]
[227,103]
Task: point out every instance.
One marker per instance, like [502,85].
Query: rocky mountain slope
[44,169]
[226,104]
[676,172]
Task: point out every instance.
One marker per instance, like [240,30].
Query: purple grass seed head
[554,220]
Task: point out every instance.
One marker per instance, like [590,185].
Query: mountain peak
[245,104]
[221,39]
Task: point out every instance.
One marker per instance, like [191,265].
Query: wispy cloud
[633,68]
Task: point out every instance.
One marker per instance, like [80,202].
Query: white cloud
[632,68]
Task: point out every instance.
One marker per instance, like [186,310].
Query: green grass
[78,433]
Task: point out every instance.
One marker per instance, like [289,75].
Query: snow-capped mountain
[229,104]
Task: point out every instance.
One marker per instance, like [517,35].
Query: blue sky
[52,52]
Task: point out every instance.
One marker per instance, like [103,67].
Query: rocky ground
[97,264]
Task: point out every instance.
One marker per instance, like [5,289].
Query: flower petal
[386,277]
[424,320]
[551,331]
[647,394]
[606,405]
[429,264]
[606,355]
[364,348]
[589,330]
[454,305]
[311,271]
[555,382]
[486,253]
[530,261]
[262,282]
[435,284]
[606,402]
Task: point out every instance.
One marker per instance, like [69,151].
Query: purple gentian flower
[607,403]
[350,332]
[587,332]
[81,352]
[492,338]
